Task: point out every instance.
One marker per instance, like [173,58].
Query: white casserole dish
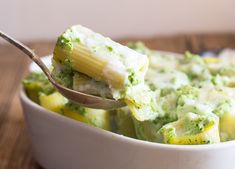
[62,143]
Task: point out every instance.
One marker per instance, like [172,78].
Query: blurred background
[170,25]
[35,20]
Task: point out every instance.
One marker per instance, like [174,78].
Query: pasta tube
[191,129]
[99,57]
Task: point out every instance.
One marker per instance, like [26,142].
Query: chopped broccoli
[36,83]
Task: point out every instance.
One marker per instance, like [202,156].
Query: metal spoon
[75,96]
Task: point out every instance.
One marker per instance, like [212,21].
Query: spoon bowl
[88,100]
[77,97]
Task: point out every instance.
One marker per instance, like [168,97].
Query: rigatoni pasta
[99,57]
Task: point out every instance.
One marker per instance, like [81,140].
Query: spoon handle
[28,52]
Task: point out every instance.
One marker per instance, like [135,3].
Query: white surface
[31,19]
[62,143]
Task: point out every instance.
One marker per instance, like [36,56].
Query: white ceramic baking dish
[62,143]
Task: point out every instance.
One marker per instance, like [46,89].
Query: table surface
[15,149]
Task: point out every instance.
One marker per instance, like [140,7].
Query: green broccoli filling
[64,42]
[65,75]
[36,83]
[223,107]
[76,108]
